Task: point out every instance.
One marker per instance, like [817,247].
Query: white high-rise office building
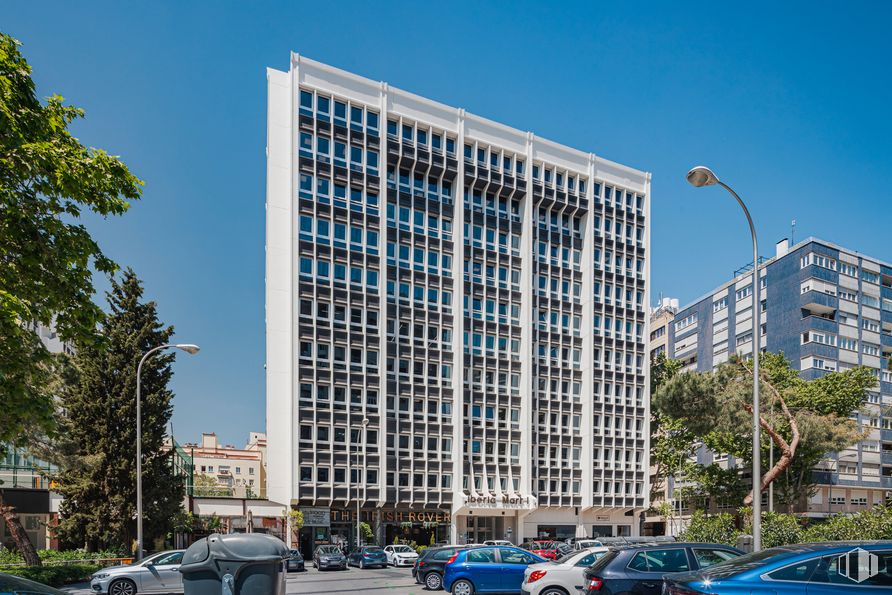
[477,293]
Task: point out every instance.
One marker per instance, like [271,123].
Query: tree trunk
[19,536]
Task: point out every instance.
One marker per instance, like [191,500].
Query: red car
[547,549]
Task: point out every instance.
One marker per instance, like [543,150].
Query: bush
[779,529]
[54,576]
[419,549]
[867,525]
[718,528]
[54,556]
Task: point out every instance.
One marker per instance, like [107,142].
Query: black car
[295,562]
[14,584]
[639,569]
[329,556]
[429,567]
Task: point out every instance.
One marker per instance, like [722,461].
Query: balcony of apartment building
[818,303]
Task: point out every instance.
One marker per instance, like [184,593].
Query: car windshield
[566,557]
[402,549]
[329,549]
[372,550]
[295,555]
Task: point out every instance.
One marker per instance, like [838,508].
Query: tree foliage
[718,528]
[803,419]
[99,422]
[47,180]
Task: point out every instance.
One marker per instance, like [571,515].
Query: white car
[157,574]
[584,544]
[400,555]
[498,542]
[563,576]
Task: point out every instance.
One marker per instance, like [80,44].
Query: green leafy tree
[295,521]
[672,444]
[366,531]
[47,180]
[204,485]
[99,417]
[803,419]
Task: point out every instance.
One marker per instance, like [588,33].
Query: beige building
[238,472]
[660,318]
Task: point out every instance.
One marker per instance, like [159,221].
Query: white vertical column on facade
[279,283]
[588,339]
[458,327]
[644,341]
[527,322]
[382,293]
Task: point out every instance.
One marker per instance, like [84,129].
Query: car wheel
[433,581]
[362,564]
[553,591]
[122,587]
[462,587]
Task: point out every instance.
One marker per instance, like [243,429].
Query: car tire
[462,587]
[362,564]
[433,581]
[552,591]
[122,586]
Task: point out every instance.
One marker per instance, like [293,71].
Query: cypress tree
[99,420]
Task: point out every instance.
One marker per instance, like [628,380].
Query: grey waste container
[237,564]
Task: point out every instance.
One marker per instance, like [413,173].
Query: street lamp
[703,176]
[191,350]
[365,422]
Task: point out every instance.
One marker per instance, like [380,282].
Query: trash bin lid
[239,547]
[197,553]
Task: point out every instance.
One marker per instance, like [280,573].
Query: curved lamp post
[191,350]
[703,176]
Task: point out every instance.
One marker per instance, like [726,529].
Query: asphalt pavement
[374,581]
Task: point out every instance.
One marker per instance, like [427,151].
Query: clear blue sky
[788,102]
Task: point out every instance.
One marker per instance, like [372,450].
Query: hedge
[54,576]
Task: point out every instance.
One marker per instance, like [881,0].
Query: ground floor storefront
[338,526]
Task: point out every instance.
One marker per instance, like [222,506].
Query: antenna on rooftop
[793,233]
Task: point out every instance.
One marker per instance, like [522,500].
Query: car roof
[669,545]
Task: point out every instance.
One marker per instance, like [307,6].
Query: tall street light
[702,176]
[365,422]
[191,350]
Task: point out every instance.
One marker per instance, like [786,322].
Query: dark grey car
[329,557]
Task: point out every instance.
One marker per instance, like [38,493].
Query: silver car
[156,574]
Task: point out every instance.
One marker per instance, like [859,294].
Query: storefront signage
[393,516]
[316,517]
[505,501]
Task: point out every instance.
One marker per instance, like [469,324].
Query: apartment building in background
[238,472]
[661,318]
[476,293]
[827,308]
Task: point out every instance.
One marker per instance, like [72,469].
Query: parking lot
[384,581]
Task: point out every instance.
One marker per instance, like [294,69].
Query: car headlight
[101,575]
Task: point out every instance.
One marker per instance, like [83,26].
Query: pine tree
[99,418]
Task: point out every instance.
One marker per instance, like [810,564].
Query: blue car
[832,568]
[497,569]
[367,556]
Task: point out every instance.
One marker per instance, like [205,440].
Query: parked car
[547,549]
[329,556]
[430,566]
[366,556]
[498,542]
[564,575]
[831,568]
[639,569]
[584,544]
[14,584]
[400,555]
[295,562]
[496,569]
[157,573]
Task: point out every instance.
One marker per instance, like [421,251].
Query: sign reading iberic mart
[503,501]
